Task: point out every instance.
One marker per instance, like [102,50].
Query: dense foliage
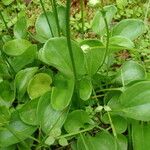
[71,83]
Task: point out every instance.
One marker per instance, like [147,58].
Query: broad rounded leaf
[62,92]
[120,43]
[135,101]
[129,28]
[130,71]
[77,120]
[22,79]
[48,118]
[15,132]
[55,53]
[98,24]
[39,85]
[28,112]
[16,47]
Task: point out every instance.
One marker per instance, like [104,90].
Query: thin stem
[68,36]
[54,6]
[82,16]
[41,2]
[111,89]
[4,21]
[107,39]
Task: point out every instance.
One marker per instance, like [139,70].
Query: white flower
[93,2]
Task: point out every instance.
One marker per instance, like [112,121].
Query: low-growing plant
[61,93]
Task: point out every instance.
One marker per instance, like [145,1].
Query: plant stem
[82,16]
[68,36]
[4,21]
[41,2]
[110,89]
[54,6]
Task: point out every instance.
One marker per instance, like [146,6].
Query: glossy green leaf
[24,59]
[122,142]
[102,141]
[85,88]
[94,52]
[28,112]
[130,71]
[98,24]
[7,93]
[15,132]
[16,47]
[22,79]
[120,43]
[135,101]
[129,28]
[62,92]
[39,85]
[55,53]
[20,28]
[77,120]
[48,118]
[140,135]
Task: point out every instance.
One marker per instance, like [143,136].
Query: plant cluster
[57,92]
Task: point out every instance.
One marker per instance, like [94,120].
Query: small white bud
[85,48]
[99,109]
[107,108]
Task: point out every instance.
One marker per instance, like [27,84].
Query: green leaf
[22,79]
[39,85]
[122,142]
[120,43]
[20,28]
[102,141]
[63,142]
[7,2]
[121,3]
[85,88]
[48,118]
[129,28]
[4,115]
[55,53]
[130,71]
[77,120]
[62,92]
[28,112]
[16,47]
[24,59]
[7,94]
[140,135]
[15,132]
[98,24]
[94,52]
[135,101]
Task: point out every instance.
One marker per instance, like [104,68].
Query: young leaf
[98,24]
[28,112]
[22,79]
[20,28]
[39,85]
[76,120]
[130,71]
[94,52]
[15,132]
[129,28]
[135,101]
[48,118]
[16,47]
[85,88]
[62,92]
[55,53]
